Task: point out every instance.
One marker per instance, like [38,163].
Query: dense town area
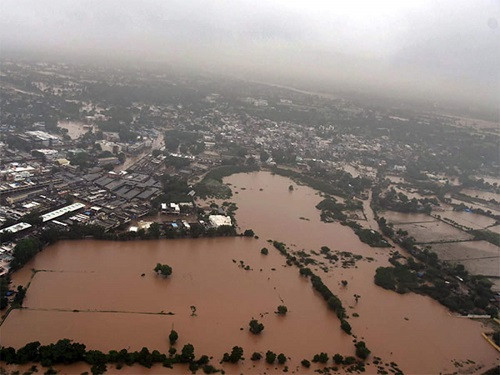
[124,154]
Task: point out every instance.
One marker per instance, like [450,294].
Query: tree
[154,230]
[321,358]
[281,358]
[248,233]
[20,294]
[163,269]
[270,357]
[346,327]
[24,251]
[282,310]
[306,363]
[256,356]
[264,251]
[361,350]
[337,358]
[172,337]
[187,353]
[256,327]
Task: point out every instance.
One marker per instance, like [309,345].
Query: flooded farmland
[478,257]
[93,292]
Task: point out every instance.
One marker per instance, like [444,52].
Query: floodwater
[478,257]
[486,195]
[75,128]
[119,308]
[468,219]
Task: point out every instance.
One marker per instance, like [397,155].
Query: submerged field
[93,292]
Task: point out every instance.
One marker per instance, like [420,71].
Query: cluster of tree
[4,288]
[271,357]
[67,352]
[332,300]
[435,278]
[163,269]
[480,183]
[476,210]
[486,235]
[235,356]
[212,186]
[338,183]
[395,201]
[248,233]
[371,237]
[361,350]
[175,189]
[338,359]
[82,159]
[184,141]
[439,281]
[24,250]
[332,210]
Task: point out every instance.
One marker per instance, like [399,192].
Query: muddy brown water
[118,308]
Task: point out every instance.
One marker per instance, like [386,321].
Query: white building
[62,211]
[219,220]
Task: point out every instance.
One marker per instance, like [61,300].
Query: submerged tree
[163,269]
[270,357]
[282,310]
[256,327]
[173,337]
[235,356]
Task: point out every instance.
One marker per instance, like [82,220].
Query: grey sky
[436,47]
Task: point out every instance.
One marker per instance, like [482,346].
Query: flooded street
[93,292]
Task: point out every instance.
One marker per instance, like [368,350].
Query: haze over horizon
[438,50]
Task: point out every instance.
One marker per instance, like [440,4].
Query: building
[219,220]
[16,228]
[45,154]
[62,211]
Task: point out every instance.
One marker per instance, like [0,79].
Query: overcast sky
[435,48]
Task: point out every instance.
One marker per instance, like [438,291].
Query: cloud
[437,48]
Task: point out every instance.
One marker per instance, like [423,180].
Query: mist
[444,50]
